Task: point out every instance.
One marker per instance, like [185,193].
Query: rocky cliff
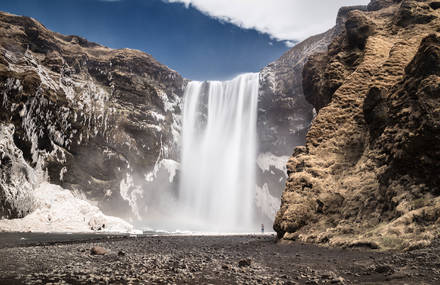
[105,123]
[98,121]
[284,114]
[368,173]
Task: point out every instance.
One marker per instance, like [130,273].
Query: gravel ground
[247,259]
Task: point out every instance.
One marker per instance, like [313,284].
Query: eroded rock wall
[99,121]
[284,114]
[368,173]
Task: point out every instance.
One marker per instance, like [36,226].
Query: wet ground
[249,259]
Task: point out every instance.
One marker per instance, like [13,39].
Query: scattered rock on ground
[98,250]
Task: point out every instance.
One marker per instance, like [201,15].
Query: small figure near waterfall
[262,228]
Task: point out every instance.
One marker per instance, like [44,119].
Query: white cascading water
[217,188]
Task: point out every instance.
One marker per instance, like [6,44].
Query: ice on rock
[171,166]
[156,116]
[58,210]
[176,128]
[267,203]
[267,160]
[16,177]
[131,193]
[67,214]
[50,207]
[134,194]
[169,106]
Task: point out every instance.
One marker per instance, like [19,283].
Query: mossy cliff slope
[369,172]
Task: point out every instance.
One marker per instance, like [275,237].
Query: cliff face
[284,114]
[98,121]
[368,173]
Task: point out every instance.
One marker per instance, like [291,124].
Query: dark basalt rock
[415,117]
[323,75]
[426,61]
[376,5]
[375,112]
[313,91]
[89,115]
[434,5]
[244,262]
[414,12]
[358,28]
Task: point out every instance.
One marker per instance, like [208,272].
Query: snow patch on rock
[267,75]
[267,160]
[58,210]
[266,203]
[171,166]
[17,178]
[39,205]
[131,193]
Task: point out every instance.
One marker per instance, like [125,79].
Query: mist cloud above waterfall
[282,19]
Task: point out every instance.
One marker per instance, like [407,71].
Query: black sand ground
[205,260]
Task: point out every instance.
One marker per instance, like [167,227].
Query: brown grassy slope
[369,171]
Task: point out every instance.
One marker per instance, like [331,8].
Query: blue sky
[202,41]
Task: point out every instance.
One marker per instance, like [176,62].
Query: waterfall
[217,187]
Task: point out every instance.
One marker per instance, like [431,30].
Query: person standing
[262,228]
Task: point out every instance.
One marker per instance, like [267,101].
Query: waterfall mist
[217,187]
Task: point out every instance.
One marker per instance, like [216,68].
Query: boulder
[98,250]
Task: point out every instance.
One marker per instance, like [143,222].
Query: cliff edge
[368,174]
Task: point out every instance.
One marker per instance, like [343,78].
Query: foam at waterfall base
[177,232]
[188,224]
[58,210]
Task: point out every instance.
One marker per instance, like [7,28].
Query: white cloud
[290,20]
[289,43]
